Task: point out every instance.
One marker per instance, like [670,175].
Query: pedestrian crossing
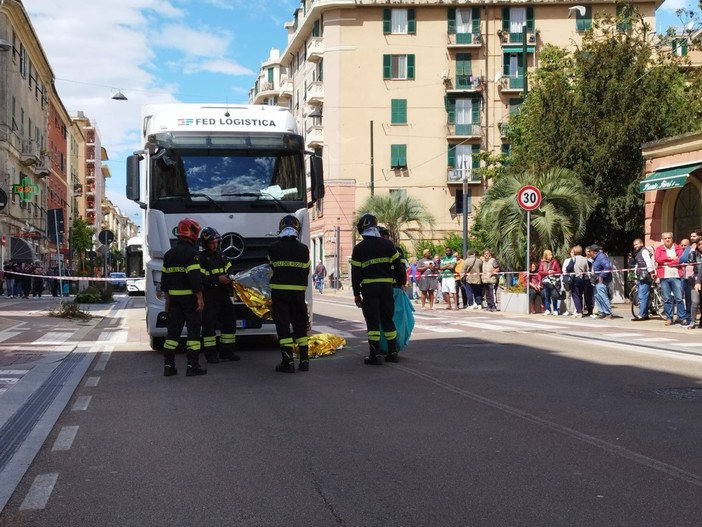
[10,377]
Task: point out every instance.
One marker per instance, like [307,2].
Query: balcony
[77,190]
[286,88]
[464,131]
[465,40]
[462,175]
[508,38]
[315,49]
[43,168]
[315,135]
[315,93]
[512,83]
[504,128]
[464,84]
[29,153]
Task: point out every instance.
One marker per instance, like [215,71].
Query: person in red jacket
[549,272]
[669,272]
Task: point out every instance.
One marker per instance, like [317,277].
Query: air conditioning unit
[532,38]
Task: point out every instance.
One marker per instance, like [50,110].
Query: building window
[679,47]
[315,29]
[515,105]
[458,204]
[463,159]
[464,23]
[687,214]
[398,111]
[506,150]
[513,69]
[624,13]
[464,79]
[464,114]
[514,19]
[398,67]
[398,156]
[399,21]
[583,22]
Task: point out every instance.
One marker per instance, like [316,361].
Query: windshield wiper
[197,195]
[261,198]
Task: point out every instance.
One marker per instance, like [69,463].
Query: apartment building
[399,96]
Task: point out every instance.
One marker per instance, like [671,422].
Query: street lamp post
[465,209]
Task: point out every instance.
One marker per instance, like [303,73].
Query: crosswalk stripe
[14,372]
[623,335]
[438,329]
[54,337]
[6,335]
[334,331]
[40,492]
[9,380]
[689,344]
[480,325]
[657,340]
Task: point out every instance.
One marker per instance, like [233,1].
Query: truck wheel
[157,343]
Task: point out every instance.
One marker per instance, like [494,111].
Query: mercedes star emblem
[232,245]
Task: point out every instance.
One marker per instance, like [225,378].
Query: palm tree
[399,214]
[560,219]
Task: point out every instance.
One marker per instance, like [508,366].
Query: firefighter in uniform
[216,292]
[375,266]
[181,284]
[290,260]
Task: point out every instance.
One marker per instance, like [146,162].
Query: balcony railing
[286,87]
[30,155]
[517,38]
[315,135]
[465,40]
[464,83]
[465,130]
[461,175]
[315,49]
[513,83]
[315,93]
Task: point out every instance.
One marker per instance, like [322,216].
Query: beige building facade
[400,96]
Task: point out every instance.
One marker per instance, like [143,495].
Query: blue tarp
[403,319]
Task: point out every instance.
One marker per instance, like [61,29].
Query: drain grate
[684,392]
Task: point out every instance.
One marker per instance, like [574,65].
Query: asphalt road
[477,428]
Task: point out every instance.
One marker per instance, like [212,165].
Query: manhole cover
[685,392]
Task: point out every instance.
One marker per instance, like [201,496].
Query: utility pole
[372,162]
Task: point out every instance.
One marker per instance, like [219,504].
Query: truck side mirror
[316,178]
[133,184]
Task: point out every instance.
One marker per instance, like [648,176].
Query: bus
[238,169]
[136,282]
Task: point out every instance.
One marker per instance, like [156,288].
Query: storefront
[672,187]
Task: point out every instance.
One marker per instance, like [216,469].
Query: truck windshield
[220,175]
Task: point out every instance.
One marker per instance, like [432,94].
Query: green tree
[399,214]
[555,225]
[591,110]
[81,241]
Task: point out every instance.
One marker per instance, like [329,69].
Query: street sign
[106,237]
[3,199]
[529,197]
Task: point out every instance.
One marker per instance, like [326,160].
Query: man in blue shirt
[602,275]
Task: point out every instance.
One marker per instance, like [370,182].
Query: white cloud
[205,42]
[222,66]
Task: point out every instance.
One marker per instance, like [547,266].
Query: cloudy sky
[164,51]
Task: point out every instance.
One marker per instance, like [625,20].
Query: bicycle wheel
[634,299]
[655,302]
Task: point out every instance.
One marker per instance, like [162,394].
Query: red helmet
[189,229]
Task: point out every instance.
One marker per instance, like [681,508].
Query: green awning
[517,49]
[665,178]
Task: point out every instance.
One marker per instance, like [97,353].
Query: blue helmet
[366,222]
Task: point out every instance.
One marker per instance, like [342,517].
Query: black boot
[211,356]
[374,357]
[169,368]
[287,365]
[304,359]
[194,367]
[392,352]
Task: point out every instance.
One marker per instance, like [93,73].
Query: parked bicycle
[655,300]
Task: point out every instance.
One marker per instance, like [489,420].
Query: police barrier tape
[418,275]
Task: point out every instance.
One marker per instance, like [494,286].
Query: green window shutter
[463,64]
[584,22]
[398,112]
[475,21]
[451,158]
[387,21]
[410,66]
[530,19]
[683,48]
[398,156]
[505,64]
[270,75]
[320,70]
[476,159]
[387,66]
[452,20]
[475,110]
[411,21]
[315,29]
[505,19]
[451,110]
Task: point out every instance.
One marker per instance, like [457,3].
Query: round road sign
[529,197]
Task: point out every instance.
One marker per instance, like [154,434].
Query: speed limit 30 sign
[529,197]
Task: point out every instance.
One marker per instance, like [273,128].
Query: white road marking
[40,492]
[480,325]
[82,403]
[14,372]
[655,340]
[102,362]
[532,325]
[92,382]
[65,438]
[112,335]
[6,335]
[9,380]
[438,329]
[54,337]
[623,335]
[689,344]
